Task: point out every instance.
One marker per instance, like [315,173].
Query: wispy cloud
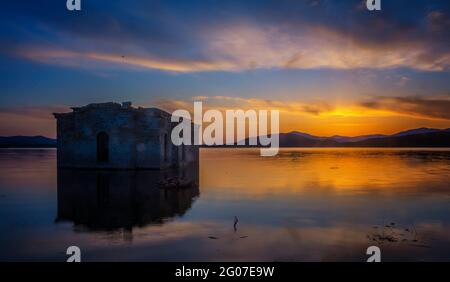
[245,46]
[418,107]
[414,107]
[249,46]
[223,103]
[104,60]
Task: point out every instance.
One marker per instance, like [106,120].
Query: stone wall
[137,138]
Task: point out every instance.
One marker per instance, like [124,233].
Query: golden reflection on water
[243,172]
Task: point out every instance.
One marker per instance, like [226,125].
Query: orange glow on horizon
[316,118]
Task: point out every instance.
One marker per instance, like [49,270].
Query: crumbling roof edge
[113,105]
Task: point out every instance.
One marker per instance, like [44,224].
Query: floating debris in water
[212,237]
[384,238]
[173,183]
[393,234]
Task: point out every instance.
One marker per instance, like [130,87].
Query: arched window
[102,147]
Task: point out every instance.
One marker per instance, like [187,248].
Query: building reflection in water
[110,200]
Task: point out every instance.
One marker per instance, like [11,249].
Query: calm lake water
[303,205]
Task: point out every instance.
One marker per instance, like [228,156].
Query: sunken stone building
[119,136]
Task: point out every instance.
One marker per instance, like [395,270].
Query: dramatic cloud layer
[329,66]
[198,36]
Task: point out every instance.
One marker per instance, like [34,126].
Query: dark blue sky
[313,59]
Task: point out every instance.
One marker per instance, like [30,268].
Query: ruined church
[119,136]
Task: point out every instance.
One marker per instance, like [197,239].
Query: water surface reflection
[303,205]
[108,200]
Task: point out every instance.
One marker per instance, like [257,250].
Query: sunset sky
[330,66]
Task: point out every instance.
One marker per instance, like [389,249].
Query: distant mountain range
[27,142]
[420,137]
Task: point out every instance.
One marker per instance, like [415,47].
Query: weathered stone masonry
[119,136]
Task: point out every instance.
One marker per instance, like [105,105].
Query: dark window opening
[102,147]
